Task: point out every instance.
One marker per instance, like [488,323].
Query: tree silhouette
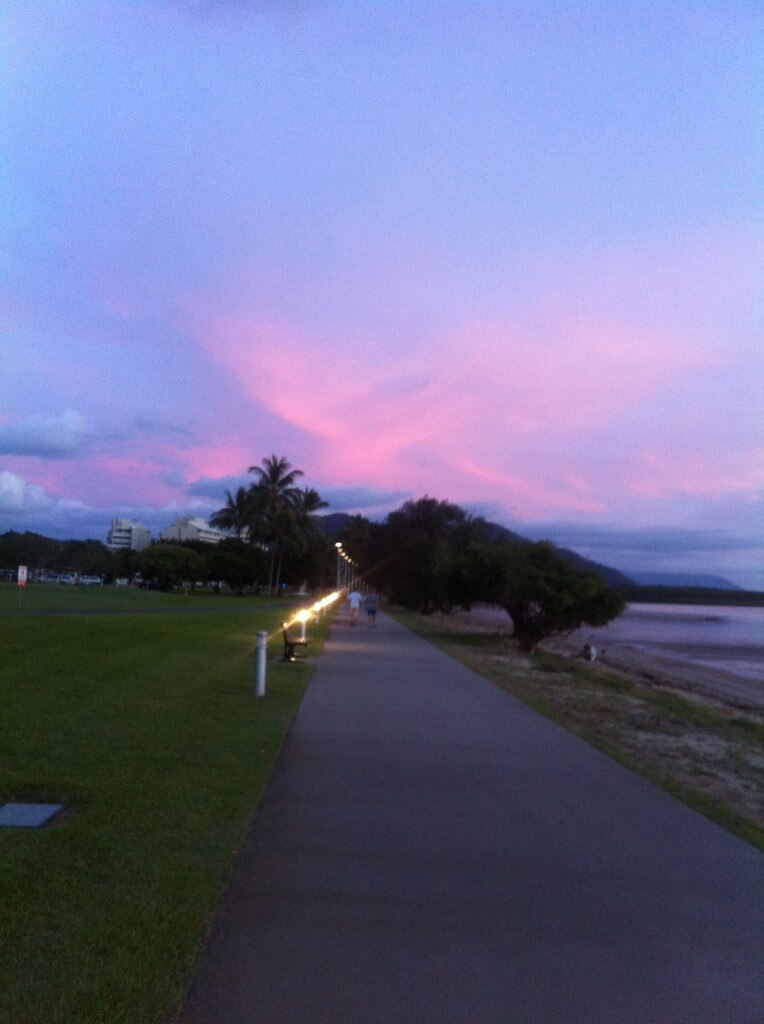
[276,498]
[236,515]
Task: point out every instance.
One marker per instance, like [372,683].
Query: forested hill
[613,577]
[336,522]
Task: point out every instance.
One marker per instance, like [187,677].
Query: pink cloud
[471,399]
[531,492]
[215,460]
[659,475]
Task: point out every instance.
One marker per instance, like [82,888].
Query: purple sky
[501,253]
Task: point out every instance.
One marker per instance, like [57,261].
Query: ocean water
[731,639]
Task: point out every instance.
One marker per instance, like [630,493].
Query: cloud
[22,500]
[461,406]
[667,540]
[656,473]
[734,551]
[215,487]
[358,499]
[27,506]
[18,496]
[59,437]
[341,499]
[160,428]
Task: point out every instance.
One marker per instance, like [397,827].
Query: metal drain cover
[27,815]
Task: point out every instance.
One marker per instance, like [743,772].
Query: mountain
[613,577]
[683,579]
[334,524]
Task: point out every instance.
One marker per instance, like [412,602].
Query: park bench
[291,643]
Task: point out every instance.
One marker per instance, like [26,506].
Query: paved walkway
[429,851]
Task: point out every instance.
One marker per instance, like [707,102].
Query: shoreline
[703,682]
[692,679]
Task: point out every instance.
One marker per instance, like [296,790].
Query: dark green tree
[544,594]
[303,540]
[275,515]
[30,549]
[171,564]
[237,513]
[275,496]
[465,574]
[404,549]
[239,565]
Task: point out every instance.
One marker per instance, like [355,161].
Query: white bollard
[261,645]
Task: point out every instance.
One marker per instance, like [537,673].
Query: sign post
[22,575]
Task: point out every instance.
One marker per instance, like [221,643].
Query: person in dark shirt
[372,605]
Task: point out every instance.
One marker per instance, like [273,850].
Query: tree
[171,564]
[465,574]
[306,504]
[241,566]
[544,594]
[303,541]
[90,557]
[237,513]
[406,548]
[276,478]
[276,498]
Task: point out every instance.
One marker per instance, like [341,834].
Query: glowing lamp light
[302,616]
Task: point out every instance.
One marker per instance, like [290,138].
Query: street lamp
[338,546]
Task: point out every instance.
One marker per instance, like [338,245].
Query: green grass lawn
[145,726]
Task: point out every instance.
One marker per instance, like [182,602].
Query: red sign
[22,575]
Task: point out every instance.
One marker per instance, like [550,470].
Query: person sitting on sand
[589,653]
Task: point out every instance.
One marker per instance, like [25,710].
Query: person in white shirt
[354,603]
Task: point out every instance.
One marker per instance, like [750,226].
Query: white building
[125,534]
[192,528]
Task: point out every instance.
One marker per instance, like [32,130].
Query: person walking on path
[354,603]
[372,606]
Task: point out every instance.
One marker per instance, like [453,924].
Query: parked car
[121,581]
[50,577]
[69,578]
[91,581]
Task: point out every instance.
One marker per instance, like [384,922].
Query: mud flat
[713,685]
[671,670]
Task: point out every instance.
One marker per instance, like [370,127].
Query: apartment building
[125,534]
[191,528]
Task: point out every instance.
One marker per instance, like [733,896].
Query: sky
[501,253]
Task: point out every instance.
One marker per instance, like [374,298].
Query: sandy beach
[704,683]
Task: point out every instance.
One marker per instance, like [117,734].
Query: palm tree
[275,486]
[236,515]
[307,503]
[277,478]
[310,501]
[307,534]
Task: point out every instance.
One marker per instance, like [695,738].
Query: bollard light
[261,644]
[302,617]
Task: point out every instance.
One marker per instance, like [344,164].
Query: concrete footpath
[430,851]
